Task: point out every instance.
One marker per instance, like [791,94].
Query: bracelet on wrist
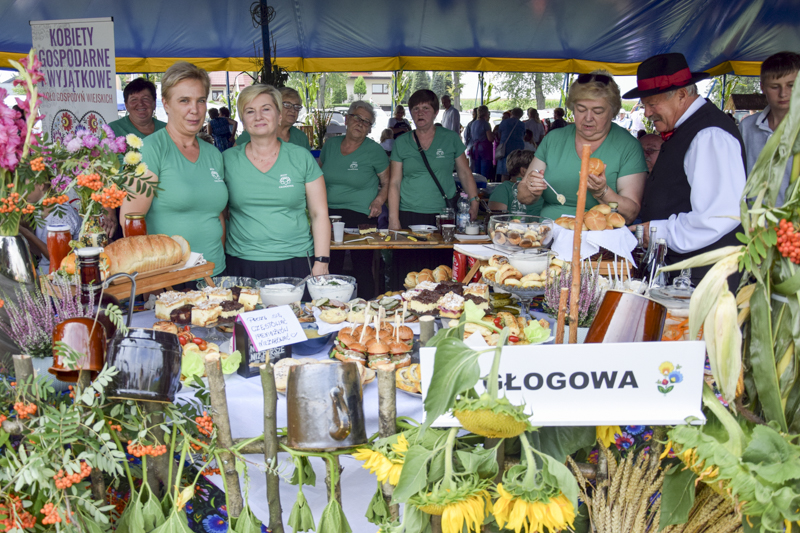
[604,193]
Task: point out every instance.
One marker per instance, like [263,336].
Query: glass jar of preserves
[135,224]
[58,237]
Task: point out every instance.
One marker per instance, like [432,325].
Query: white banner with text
[80,74]
[654,383]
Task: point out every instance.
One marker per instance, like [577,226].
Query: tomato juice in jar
[58,237]
[135,224]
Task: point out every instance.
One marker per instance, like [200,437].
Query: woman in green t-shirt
[504,196]
[289,111]
[595,100]
[414,197]
[192,193]
[271,183]
[356,171]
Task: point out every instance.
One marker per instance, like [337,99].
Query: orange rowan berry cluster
[204,424]
[10,204]
[23,519]
[91,181]
[50,513]
[24,410]
[211,471]
[3,418]
[37,165]
[116,427]
[788,241]
[110,197]
[65,481]
[71,391]
[56,200]
[137,450]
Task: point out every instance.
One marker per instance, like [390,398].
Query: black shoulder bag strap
[449,202]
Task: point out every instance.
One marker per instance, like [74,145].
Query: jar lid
[58,227]
[137,216]
[89,251]
[613,205]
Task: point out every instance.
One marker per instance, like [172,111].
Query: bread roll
[143,253]
[615,220]
[603,208]
[411,280]
[571,224]
[596,166]
[424,276]
[440,274]
[563,222]
[595,221]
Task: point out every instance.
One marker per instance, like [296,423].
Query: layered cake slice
[249,298]
[206,313]
[218,293]
[166,302]
[365,229]
[194,297]
[424,303]
[451,305]
[230,309]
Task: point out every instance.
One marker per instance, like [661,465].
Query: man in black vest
[699,177]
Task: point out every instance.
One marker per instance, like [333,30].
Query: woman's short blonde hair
[250,93]
[595,90]
[183,70]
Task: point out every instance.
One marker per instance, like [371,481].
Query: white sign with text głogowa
[654,383]
[269,328]
[80,74]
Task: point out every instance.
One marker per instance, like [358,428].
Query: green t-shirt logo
[354,165]
[439,153]
[285,181]
[216,176]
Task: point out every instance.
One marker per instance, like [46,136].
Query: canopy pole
[228,88]
[480,79]
[308,104]
[724,89]
[394,90]
[265,37]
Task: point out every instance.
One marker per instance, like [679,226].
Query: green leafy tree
[401,85]
[336,89]
[438,86]
[527,89]
[420,80]
[360,87]
[734,85]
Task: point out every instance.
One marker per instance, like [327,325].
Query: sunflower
[388,465]
[606,435]
[496,418]
[516,512]
[469,503]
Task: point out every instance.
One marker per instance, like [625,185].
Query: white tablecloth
[246,409]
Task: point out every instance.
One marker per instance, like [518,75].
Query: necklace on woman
[270,157]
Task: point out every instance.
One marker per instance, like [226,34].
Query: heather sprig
[33,316]
[588,300]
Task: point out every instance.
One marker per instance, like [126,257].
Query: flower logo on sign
[66,122]
[670,376]
[92,122]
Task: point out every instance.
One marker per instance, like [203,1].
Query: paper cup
[338,231]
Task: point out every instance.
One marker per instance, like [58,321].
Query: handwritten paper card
[268,328]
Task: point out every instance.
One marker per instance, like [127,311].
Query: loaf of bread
[146,252]
[594,220]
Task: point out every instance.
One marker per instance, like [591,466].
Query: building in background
[379,87]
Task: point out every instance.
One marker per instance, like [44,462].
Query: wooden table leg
[209,281]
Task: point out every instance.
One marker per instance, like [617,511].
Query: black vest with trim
[667,191]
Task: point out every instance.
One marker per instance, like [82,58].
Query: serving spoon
[560,197]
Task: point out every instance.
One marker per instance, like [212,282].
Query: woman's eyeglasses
[599,78]
[297,107]
[360,120]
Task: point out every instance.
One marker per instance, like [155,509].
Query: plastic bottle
[462,217]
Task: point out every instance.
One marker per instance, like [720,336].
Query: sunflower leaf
[677,496]
[378,509]
[414,475]
[455,370]
[415,520]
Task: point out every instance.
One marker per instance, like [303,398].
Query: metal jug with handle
[325,407]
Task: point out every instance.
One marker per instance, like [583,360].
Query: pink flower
[33,70]
[122,144]
[11,141]
[90,141]
[74,145]
[109,131]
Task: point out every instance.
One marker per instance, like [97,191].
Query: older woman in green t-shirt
[271,183]
[192,193]
[356,172]
[595,100]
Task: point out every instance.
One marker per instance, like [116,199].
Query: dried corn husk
[709,290]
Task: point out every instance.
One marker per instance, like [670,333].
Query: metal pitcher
[324,407]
